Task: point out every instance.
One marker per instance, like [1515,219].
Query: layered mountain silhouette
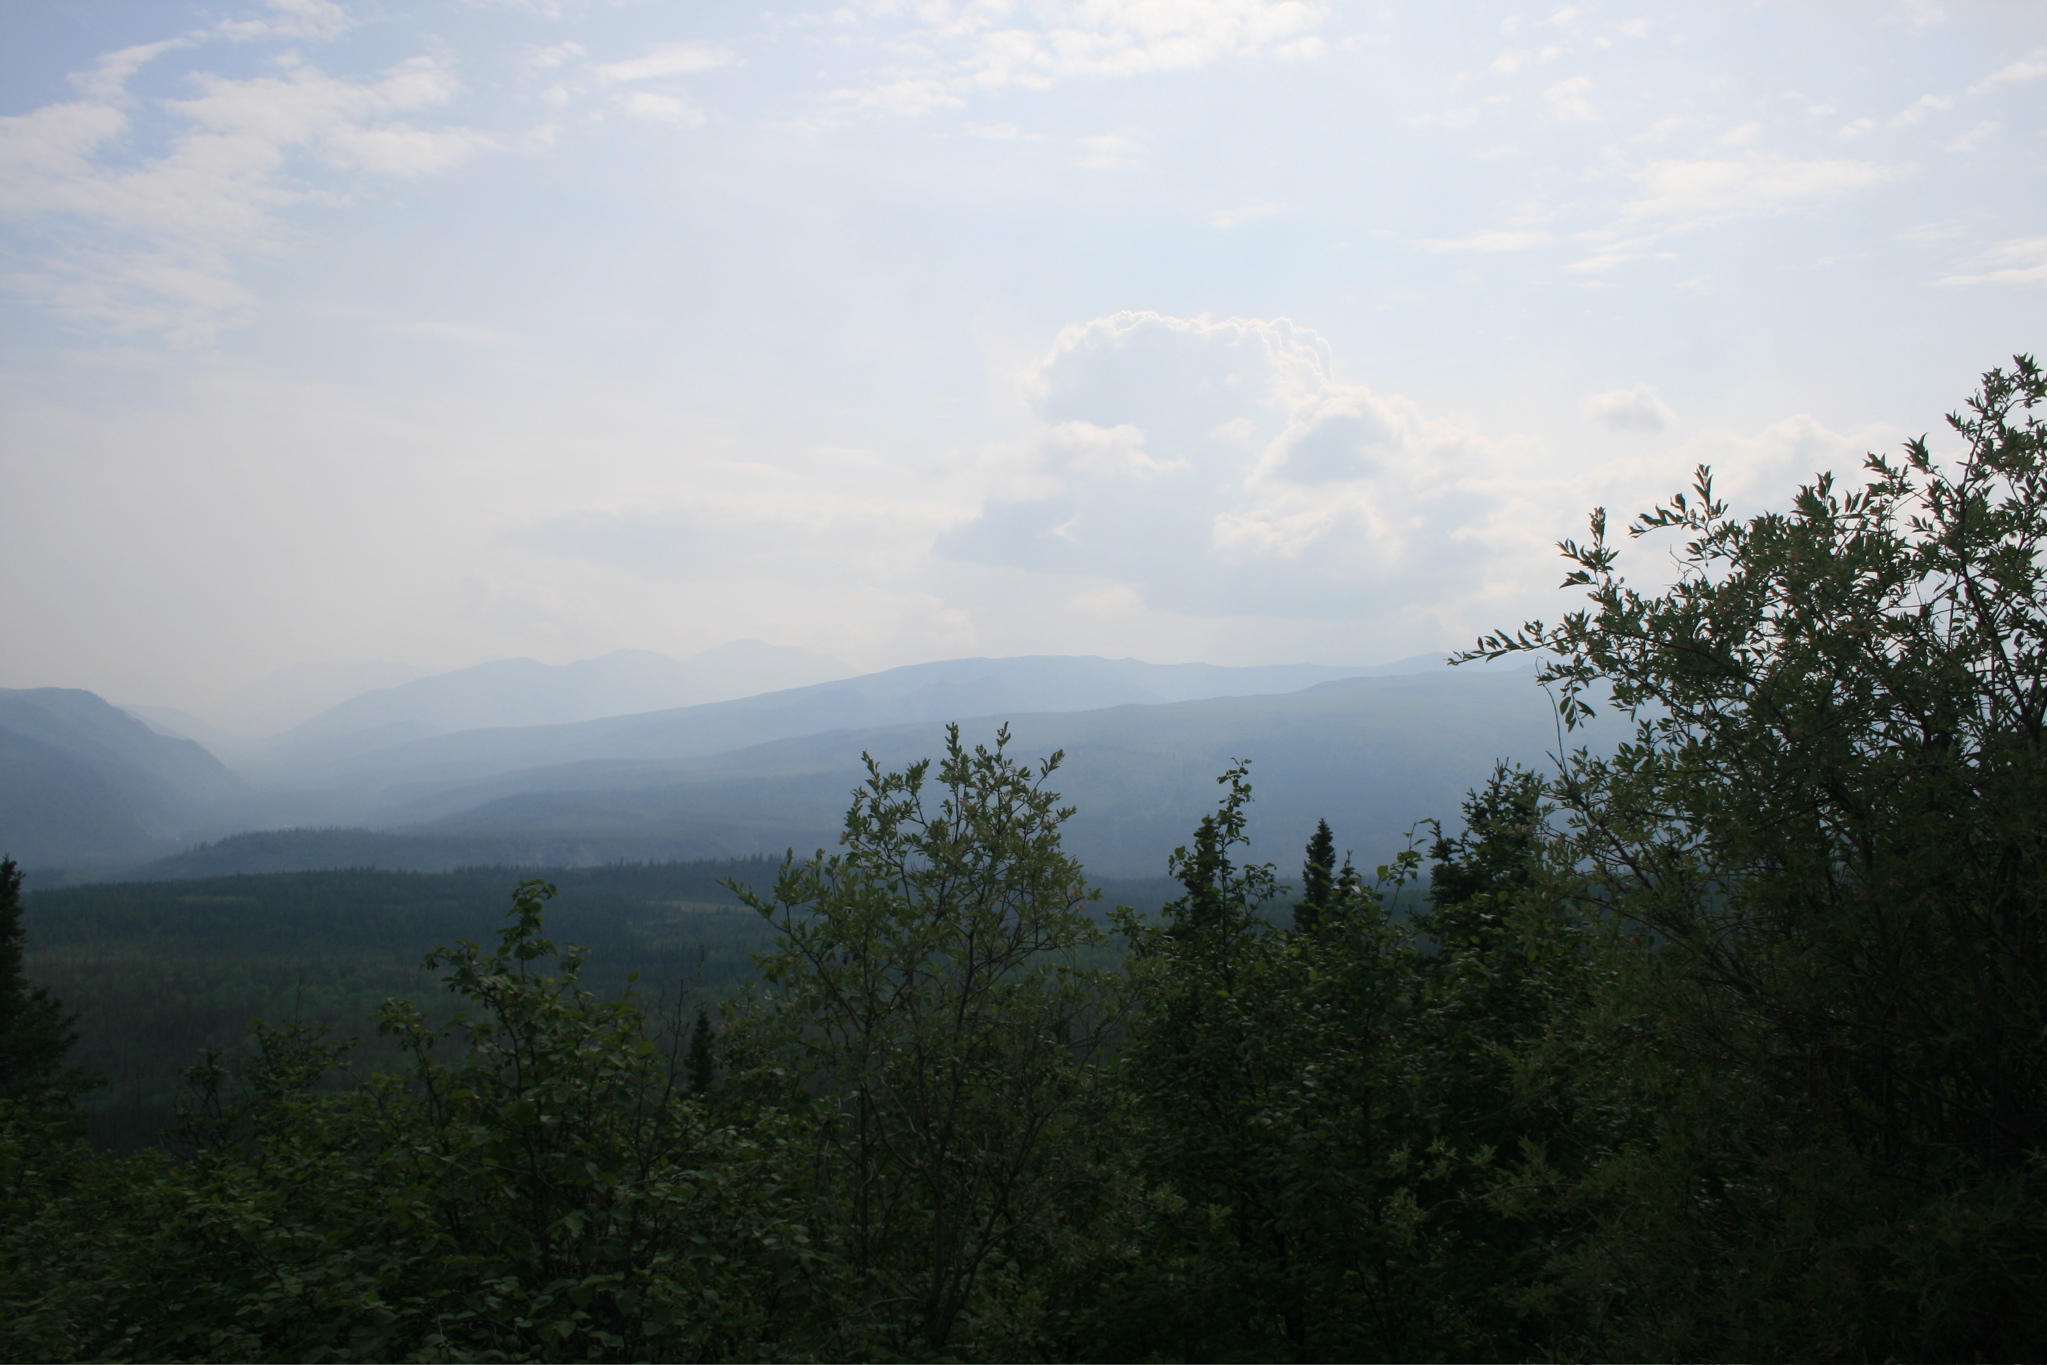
[526,692]
[359,773]
[83,784]
[360,786]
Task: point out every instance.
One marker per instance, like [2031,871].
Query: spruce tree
[35,1032]
[1318,878]
[703,1062]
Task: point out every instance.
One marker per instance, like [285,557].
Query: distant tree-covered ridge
[1731,1044]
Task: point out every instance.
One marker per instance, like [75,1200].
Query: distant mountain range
[348,777]
[85,785]
[309,710]
[355,787]
[1371,755]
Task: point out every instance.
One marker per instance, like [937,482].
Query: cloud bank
[1222,467]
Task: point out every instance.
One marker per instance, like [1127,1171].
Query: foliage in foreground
[1731,1044]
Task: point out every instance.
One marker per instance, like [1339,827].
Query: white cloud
[1855,128]
[1001,132]
[1918,109]
[1921,13]
[1688,194]
[1935,232]
[150,243]
[315,20]
[656,107]
[1568,102]
[1640,408]
[1490,240]
[1114,151]
[666,60]
[2030,67]
[1620,253]
[1974,138]
[960,50]
[556,56]
[1091,451]
[2022,260]
[1225,219]
[1664,127]
[1750,472]
[1515,59]
[1221,467]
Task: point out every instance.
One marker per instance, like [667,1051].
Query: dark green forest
[1728,1043]
[158,972]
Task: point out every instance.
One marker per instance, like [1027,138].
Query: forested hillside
[1729,1043]
[158,972]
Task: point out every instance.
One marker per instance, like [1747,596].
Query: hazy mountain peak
[297,692]
[526,692]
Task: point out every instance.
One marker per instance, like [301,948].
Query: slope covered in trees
[1725,1045]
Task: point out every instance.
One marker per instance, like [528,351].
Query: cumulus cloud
[1640,408]
[959,50]
[1221,467]
[150,242]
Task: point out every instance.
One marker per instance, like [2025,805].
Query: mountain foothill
[746,749]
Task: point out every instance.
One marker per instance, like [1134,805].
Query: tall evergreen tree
[35,1031]
[703,1061]
[1318,878]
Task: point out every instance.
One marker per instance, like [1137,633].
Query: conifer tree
[1318,878]
[703,1062]
[35,1031]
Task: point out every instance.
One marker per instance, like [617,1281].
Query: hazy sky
[1188,329]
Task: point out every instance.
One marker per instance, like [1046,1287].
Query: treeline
[158,972]
[1731,1044]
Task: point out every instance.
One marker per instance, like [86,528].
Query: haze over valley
[438,771]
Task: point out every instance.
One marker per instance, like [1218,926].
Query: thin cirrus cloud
[666,60]
[2030,67]
[1224,219]
[663,63]
[150,243]
[964,50]
[1490,240]
[2022,260]
[1678,196]
[1682,195]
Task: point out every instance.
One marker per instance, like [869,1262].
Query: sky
[1244,331]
